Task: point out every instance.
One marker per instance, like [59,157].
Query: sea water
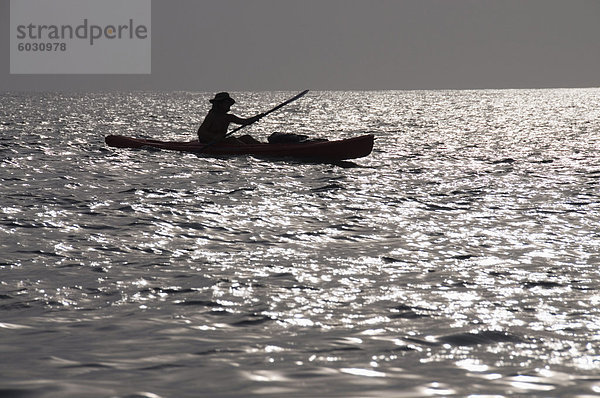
[461,258]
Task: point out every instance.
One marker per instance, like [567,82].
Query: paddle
[294,98]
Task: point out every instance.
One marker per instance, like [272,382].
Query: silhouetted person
[215,124]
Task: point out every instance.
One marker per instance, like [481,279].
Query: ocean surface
[461,258]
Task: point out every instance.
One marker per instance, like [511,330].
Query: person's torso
[214,126]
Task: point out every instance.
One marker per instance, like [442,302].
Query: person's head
[222,101]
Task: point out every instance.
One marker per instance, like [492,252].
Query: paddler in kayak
[215,124]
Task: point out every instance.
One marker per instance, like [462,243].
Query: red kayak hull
[351,148]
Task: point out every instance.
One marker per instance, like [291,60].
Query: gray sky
[354,44]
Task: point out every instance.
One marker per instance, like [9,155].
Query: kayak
[350,148]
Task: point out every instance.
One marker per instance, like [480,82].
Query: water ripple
[459,258]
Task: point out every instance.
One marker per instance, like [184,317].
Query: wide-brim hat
[222,97]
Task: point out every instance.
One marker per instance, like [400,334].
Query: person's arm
[244,121]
